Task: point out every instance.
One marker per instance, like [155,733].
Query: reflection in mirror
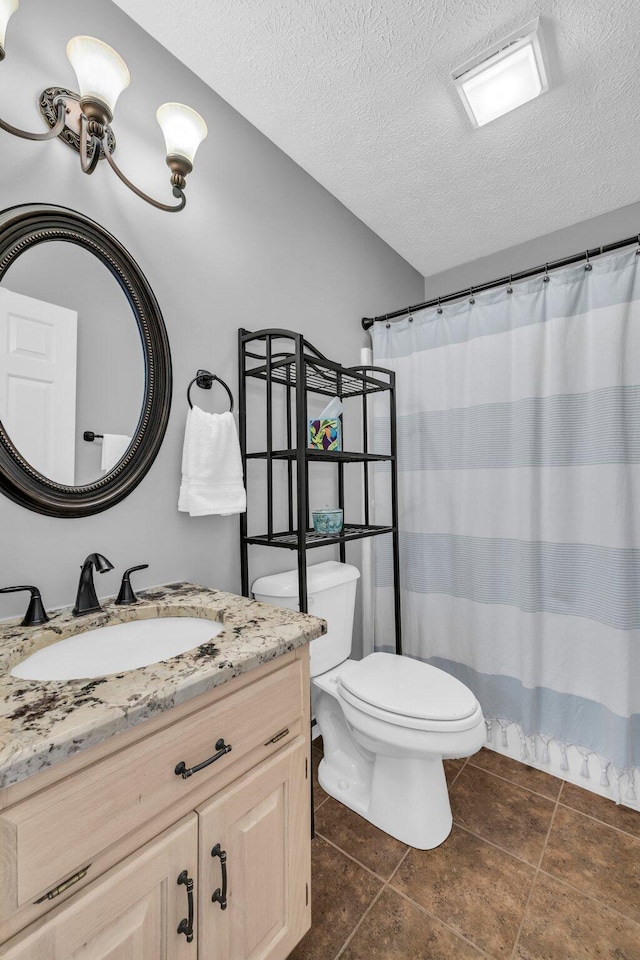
[71,361]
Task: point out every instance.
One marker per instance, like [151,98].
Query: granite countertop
[44,722]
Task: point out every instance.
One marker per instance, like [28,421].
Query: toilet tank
[331,592]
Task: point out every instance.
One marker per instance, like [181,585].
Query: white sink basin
[117,648]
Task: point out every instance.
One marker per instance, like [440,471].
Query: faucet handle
[126,594]
[36,614]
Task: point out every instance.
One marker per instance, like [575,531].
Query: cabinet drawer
[61,829]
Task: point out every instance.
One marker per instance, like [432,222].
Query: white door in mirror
[117,648]
[38,345]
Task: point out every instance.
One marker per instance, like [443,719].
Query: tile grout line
[434,916]
[537,870]
[545,796]
[557,804]
[450,785]
[496,846]
[536,874]
[553,817]
[354,860]
[591,897]
[590,816]
[399,864]
[578,890]
[360,921]
[513,783]
[371,905]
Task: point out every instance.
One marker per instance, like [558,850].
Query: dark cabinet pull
[220,896]
[186,926]
[185,772]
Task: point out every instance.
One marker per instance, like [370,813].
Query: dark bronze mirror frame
[21,228]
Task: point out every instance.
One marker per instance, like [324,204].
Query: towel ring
[204,380]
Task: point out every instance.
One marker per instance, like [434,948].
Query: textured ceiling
[359,94]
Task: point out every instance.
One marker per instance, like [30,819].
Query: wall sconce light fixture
[83,120]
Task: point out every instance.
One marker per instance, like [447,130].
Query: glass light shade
[183,129]
[502,83]
[7,7]
[102,73]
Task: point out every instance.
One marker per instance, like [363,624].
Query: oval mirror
[85,370]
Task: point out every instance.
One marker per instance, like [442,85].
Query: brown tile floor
[534,869]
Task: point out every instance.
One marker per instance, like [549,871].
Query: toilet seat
[408,693]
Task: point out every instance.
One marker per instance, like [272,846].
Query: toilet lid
[409,688]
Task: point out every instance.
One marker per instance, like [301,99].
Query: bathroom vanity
[162,812]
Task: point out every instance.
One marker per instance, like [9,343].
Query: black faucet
[86,600]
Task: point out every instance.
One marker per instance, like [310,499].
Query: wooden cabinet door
[259,830]
[132,913]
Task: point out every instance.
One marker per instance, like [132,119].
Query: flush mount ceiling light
[504,77]
[83,120]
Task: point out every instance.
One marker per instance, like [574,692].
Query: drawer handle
[220,896]
[185,772]
[278,736]
[62,887]
[186,926]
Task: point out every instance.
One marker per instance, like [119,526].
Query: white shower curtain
[519,478]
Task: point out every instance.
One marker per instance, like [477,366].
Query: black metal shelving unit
[284,360]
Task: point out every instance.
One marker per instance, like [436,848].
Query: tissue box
[325,435]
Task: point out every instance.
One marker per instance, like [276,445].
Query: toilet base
[407,797]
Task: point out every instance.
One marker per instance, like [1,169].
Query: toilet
[387,721]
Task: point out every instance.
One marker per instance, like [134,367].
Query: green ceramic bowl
[328,521]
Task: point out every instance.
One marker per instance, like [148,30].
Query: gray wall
[616,225]
[259,244]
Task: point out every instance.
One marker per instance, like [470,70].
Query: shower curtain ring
[472,299]
[545,279]
[440,308]
[410,318]
[587,265]
[388,325]
[510,287]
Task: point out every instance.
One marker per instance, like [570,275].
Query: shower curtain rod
[368,322]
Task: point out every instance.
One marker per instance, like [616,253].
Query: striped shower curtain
[519,478]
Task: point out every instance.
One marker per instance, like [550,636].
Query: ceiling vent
[503,77]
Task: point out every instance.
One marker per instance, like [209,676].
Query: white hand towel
[114,447]
[212,479]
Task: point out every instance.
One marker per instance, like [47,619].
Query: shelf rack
[300,369]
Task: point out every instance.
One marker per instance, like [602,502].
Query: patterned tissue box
[325,435]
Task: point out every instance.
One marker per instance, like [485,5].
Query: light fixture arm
[89,132]
[51,134]
[177,191]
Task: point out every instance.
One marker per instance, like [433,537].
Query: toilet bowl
[387,721]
